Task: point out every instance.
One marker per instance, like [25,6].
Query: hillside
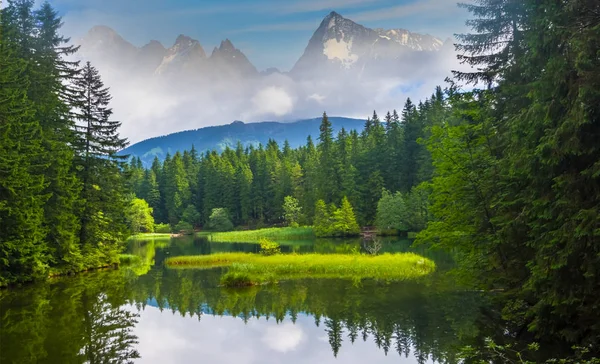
[220,137]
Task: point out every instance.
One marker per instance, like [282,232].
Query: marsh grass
[129,259]
[150,236]
[259,269]
[254,236]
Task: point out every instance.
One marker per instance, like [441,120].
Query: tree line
[62,192]
[516,183]
[257,185]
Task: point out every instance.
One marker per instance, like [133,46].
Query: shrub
[162,228]
[127,259]
[268,247]
[184,228]
[219,220]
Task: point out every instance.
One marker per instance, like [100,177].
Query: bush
[269,247]
[333,222]
[184,228]
[219,220]
[162,228]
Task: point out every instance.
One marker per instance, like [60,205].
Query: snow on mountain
[415,41]
[341,45]
[185,55]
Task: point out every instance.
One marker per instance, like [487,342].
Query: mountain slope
[220,137]
[340,45]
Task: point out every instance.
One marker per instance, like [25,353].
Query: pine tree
[23,252]
[327,172]
[102,221]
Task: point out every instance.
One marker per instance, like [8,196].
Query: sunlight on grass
[149,236]
[247,269]
[253,236]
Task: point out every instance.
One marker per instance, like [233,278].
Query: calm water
[151,314]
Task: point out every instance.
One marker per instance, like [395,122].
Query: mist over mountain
[346,69]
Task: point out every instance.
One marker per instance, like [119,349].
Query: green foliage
[162,228]
[392,212]
[219,220]
[331,221]
[514,191]
[253,236]
[291,211]
[184,228]
[62,200]
[403,212]
[237,279]
[139,217]
[385,267]
[191,216]
[495,353]
[269,247]
[127,259]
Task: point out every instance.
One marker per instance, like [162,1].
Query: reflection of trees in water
[426,319]
[71,320]
[108,331]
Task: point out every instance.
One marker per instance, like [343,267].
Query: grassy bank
[250,269]
[149,236]
[253,236]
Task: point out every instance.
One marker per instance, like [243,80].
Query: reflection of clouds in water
[166,337]
[284,337]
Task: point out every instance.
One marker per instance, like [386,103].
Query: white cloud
[317,97]
[283,338]
[272,100]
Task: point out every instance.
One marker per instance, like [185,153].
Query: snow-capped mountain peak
[340,44]
[186,53]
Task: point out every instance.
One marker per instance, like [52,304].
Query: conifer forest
[499,168]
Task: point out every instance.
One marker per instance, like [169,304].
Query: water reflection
[150,314]
[76,320]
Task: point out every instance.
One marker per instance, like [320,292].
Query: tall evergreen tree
[102,220]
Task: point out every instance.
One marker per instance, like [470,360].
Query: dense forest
[62,190]
[252,184]
[501,167]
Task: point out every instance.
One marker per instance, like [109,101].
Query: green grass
[257,269]
[149,236]
[127,259]
[253,236]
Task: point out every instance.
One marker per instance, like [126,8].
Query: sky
[272,33]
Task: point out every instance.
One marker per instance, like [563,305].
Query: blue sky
[272,33]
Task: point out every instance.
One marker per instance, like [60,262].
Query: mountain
[228,61]
[220,137]
[185,56]
[340,45]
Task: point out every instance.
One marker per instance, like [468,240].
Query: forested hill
[219,137]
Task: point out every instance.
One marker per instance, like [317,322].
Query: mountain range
[345,69]
[338,45]
[248,134]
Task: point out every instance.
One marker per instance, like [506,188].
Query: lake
[151,314]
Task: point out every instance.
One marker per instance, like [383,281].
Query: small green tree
[345,221]
[269,247]
[323,219]
[392,212]
[291,211]
[219,220]
[191,216]
[139,216]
